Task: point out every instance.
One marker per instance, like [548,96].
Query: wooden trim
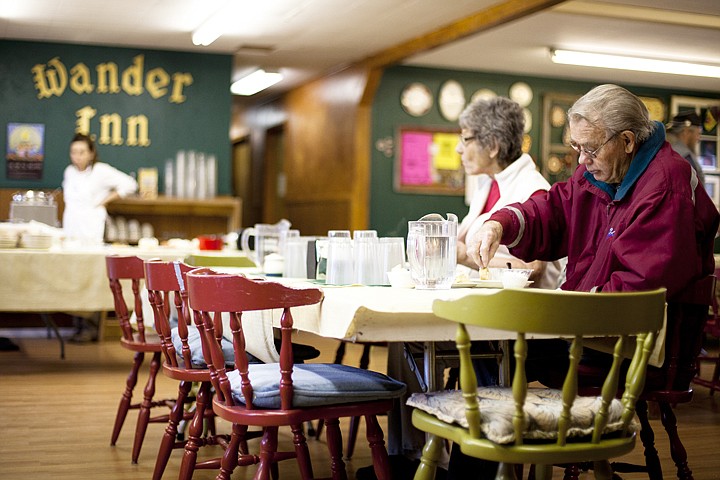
[479,22]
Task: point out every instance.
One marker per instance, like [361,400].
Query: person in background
[88,186]
[633,216]
[684,135]
[490,145]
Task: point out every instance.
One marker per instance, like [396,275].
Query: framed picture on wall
[427,163]
[712,186]
[558,160]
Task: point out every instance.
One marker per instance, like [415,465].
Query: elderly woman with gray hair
[490,147]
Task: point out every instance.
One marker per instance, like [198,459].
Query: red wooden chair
[140,341]
[184,362]
[282,394]
[670,384]
[712,329]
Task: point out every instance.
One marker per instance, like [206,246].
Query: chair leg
[352,436]
[230,459]
[716,376]
[506,471]
[540,472]
[144,415]
[334,443]
[302,453]
[168,441]
[652,461]
[677,450]
[430,458]
[572,472]
[603,470]
[376,440]
[126,398]
[195,440]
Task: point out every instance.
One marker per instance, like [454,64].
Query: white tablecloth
[58,280]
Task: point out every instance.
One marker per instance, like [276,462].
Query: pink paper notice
[415,164]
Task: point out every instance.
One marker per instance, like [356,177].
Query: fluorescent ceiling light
[206,34]
[602,60]
[255,82]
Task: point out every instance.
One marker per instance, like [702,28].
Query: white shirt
[83,193]
[516,183]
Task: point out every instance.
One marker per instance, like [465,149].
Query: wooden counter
[182,217]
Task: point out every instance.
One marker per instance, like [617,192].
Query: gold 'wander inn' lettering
[52,80]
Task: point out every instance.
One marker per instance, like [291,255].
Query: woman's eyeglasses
[591,154]
[466,140]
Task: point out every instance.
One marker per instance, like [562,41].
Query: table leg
[504,371]
[50,323]
[429,366]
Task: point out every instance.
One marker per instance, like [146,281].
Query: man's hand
[483,245]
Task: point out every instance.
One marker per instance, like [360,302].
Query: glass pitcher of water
[267,241]
[431,251]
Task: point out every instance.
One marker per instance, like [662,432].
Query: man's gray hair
[614,109]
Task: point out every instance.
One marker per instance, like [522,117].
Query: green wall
[390,210]
[185,115]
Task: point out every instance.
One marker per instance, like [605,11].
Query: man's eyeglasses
[466,140]
[591,154]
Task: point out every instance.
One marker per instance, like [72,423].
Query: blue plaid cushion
[317,384]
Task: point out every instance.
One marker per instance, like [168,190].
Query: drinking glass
[366,256]
[339,261]
[392,253]
[296,249]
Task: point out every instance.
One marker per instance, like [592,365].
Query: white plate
[492,283]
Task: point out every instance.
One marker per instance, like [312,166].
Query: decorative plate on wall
[483,94]
[527,114]
[521,93]
[451,100]
[416,99]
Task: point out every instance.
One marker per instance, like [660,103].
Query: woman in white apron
[88,186]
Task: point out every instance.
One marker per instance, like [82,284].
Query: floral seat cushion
[543,407]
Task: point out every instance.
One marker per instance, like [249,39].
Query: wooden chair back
[572,315]
[209,296]
[127,268]
[165,282]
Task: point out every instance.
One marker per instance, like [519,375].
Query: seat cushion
[542,411]
[316,384]
[196,353]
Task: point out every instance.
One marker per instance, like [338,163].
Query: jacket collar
[646,152]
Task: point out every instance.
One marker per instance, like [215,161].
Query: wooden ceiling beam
[483,20]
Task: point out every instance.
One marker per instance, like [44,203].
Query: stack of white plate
[8,238]
[36,240]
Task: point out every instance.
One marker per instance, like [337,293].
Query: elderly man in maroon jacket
[634,215]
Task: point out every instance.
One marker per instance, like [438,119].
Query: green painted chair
[542,426]
[209,260]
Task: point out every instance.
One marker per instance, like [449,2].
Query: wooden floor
[56,417]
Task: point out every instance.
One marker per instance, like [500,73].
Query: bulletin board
[427,163]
